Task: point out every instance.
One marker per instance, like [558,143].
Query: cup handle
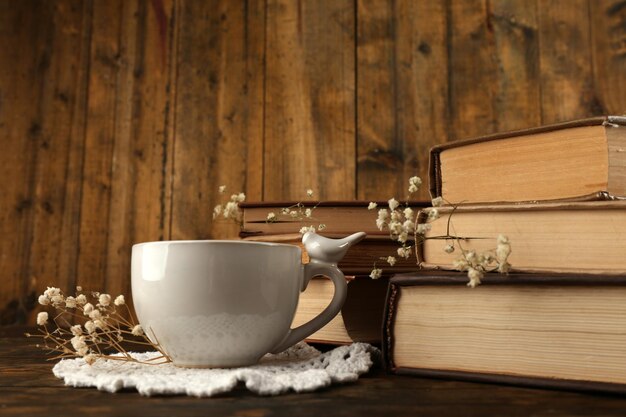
[314,268]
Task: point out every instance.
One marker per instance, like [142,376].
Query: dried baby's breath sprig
[103,335]
[402,223]
[299,212]
[229,210]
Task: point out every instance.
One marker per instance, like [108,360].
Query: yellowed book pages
[564,161]
[549,331]
[574,237]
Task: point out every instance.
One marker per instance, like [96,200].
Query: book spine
[434,173]
[391,303]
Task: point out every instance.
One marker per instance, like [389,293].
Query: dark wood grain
[119,119]
[608,31]
[518,96]
[565,61]
[402,92]
[219,92]
[309,100]
[100,139]
[473,75]
[27,387]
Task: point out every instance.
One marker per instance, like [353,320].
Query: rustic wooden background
[119,119]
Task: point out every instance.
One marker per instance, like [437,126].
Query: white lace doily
[300,368]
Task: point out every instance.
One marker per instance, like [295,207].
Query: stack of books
[361,317]
[559,319]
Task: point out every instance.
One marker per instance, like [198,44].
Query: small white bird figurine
[329,250]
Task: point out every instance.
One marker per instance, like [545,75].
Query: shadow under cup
[216,303]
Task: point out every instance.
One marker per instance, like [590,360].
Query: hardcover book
[544,330]
[581,237]
[339,217]
[361,316]
[583,159]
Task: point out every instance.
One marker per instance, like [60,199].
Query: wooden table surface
[28,388]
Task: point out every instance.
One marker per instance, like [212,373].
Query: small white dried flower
[309,192]
[383,214]
[88,308]
[306,229]
[433,214]
[76,330]
[119,300]
[137,330]
[404,252]
[57,300]
[90,359]
[322,226]
[90,327]
[504,267]
[99,324]
[95,314]
[231,210]
[417,181]
[79,288]
[81,299]
[217,210]
[422,228]
[83,351]
[70,302]
[43,300]
[391,260]
[380,223]
[293,213]
[42,318]
[414,183]
[372,206]
[221,189]
[403,237]
[395,227]
[408,213]
[437,202]
[475,276]
[448,249]
[308,212]
[51,292]
[271,216]
[459,264]
[393,204]
[78,342]
[396,215]
[376,273]
[241,197]
[104,300]
[408,226]
[471,257]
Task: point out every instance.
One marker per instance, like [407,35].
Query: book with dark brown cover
[435,174]
[457,279]
[339,217]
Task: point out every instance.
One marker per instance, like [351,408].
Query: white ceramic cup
[228,303]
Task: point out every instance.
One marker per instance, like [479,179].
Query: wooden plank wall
[119,119]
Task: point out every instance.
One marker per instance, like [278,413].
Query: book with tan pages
[360,319]
[583,159]
[339,217]
[542,330]
[577,237]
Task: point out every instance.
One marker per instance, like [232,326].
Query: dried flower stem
[104,330]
